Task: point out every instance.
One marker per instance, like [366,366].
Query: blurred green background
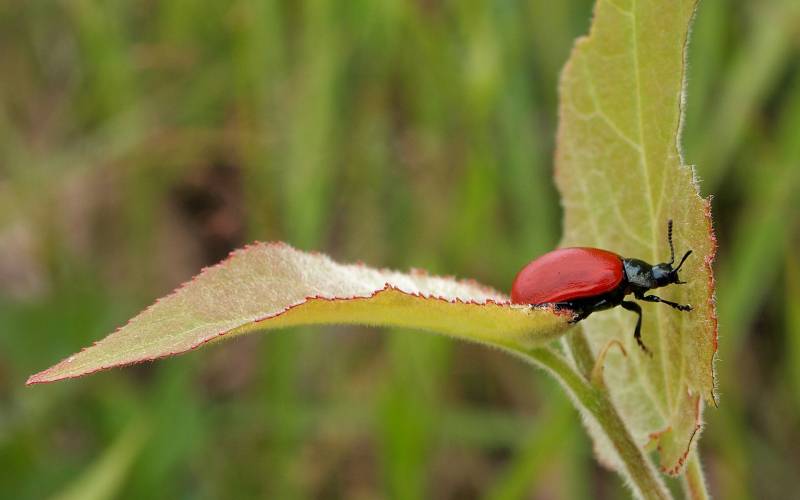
[140,141]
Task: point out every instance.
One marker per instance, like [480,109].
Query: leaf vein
[646,170]
[600,112]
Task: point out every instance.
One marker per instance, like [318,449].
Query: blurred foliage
[141,141]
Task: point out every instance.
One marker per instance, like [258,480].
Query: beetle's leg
[581,313]
[653,298]
[637,333]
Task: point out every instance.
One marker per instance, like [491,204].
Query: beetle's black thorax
[638,275]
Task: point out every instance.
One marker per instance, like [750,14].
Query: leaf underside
[621,176]
[268,286]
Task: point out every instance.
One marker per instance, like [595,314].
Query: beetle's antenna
[683,260]
[671,248]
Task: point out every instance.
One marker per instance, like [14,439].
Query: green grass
[139,142]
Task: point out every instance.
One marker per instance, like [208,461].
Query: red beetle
[586,280]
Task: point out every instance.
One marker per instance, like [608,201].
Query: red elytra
[567,274]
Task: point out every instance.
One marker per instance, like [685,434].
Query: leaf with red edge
[621,176]
[268,286]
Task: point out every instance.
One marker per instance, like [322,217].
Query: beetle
[585,280]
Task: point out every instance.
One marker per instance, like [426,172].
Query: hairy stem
[694,483]
[594,402]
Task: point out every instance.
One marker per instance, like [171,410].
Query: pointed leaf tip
[272,285]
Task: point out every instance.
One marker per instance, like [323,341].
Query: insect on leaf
[621,175]
[268,286]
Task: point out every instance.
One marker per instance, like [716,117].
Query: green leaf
[621,175]
[268,286]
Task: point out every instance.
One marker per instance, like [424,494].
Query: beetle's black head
[664,274]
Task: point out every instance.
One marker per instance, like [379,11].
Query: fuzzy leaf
[267,286]
[622,176]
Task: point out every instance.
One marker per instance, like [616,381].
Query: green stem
[694,483]
[594,402]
